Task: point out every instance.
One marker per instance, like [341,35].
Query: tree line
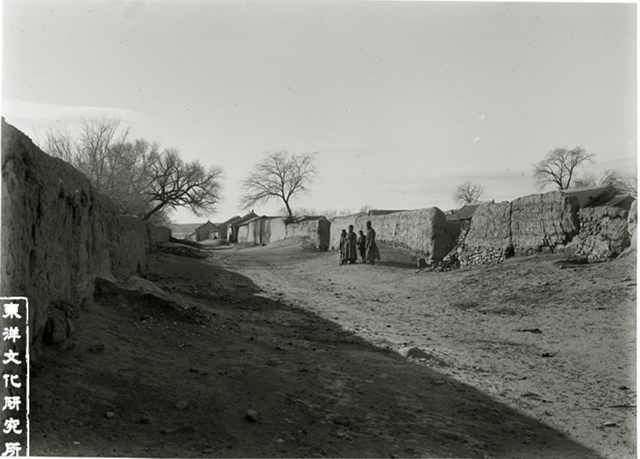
[559,168]
[149,181]
[139,176]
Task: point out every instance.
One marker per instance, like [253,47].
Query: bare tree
[559,166]
[587,180]
[280,175]
[137,177]
[366,209]
[625,182]
[175,183]
[468,193]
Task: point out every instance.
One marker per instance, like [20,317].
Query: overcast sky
[403,101]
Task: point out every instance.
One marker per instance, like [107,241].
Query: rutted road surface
[552,340]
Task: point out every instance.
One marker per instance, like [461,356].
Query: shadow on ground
[220,371]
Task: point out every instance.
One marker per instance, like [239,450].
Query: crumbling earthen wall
[542,222]
[632,223]
[489,238]
[603,233]
[58,234]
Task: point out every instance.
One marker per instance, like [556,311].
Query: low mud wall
[548,223]
[157,234]
[603,233]
[542,222]
[58,234]
[314,230]
[423,231]
[489,238]
[277,229]
[337,225]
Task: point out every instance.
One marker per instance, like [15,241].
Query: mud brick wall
[337,225]
[603,233]
[58,234]
[424,231]
[277,229]
[489,238]
[314,230]
[157,234]
[541,222]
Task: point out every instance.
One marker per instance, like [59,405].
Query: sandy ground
[279,352]
[553,340]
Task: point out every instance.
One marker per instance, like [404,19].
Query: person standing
[351,252]
[343,247]
[362,240]
[373,253]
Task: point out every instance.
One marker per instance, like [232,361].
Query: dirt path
[207,368]
[553,341]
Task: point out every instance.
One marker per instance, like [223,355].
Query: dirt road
[555,341]
[205,363]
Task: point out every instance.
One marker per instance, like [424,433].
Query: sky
[401,101]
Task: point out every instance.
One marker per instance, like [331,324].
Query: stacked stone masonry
[603,233]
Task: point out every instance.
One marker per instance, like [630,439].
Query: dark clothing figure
[351,253]
[343,247]
[372,248]
[361,242]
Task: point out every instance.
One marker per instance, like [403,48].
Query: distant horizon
[403,101]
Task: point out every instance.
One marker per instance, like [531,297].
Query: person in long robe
[343,247]
[373,253]
[351,251]
[362,240]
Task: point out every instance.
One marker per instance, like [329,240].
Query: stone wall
[603,233]
[58,234]
[542,222]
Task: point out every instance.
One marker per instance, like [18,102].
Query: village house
[238,225]
[206,231]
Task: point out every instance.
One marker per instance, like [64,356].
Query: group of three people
[350,245]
